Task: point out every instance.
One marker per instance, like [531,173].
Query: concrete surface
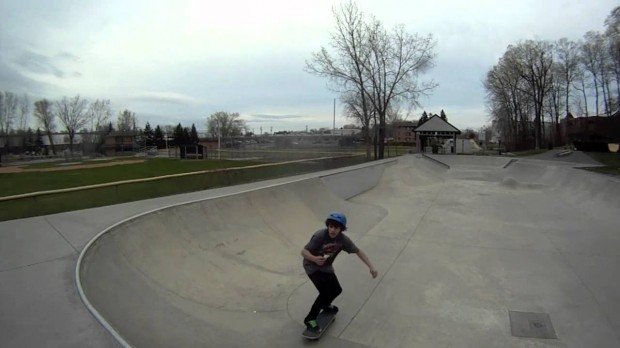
[573,157]
[39,303]
[457,246]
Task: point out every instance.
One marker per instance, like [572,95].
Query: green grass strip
[610,160]
[55,201]
[18,183]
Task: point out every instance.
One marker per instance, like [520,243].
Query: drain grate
[533,325]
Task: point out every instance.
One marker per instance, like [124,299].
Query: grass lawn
[24,182]
[17,183]
[610,160]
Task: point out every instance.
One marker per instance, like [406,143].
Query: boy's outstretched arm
[365,259]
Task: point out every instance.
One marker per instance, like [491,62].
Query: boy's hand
[319,260]
[374,272]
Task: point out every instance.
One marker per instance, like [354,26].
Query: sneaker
[312,326]
[331,309]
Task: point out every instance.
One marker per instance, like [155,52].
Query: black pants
[329,288]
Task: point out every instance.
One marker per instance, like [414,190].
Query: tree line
[538,82]
[94,121]
[69,115]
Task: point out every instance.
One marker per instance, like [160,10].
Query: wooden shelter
[432,132]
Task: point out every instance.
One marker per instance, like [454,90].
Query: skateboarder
[319,255]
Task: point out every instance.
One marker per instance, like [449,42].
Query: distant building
[346,131]
[590,133]
[404,131]
[16,143]
[433,133]
[120,143]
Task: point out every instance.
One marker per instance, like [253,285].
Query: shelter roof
[437,124]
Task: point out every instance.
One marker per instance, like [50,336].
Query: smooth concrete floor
[458,245]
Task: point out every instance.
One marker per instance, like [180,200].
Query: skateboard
[324,320]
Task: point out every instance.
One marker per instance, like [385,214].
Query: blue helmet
[337,217]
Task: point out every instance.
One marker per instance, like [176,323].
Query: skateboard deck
[324,320]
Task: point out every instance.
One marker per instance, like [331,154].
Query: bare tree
[534,65]
[45,116]
[72,113]
[2,112]
[508,104]
[354,108]
[24,112]
[228,124]
[582,86]
[567,57]
[604,66]
[612,34]
[383,67]
[606,77]
[557,96]
[395,113]
[126,121]
[346,69]
[398,59]
[99,112]
[8,111]
[590,51]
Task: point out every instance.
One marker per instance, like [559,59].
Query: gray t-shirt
[322,244]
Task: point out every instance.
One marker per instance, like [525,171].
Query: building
[19,143]
[120,143]
[433,133]
[590,133]
[404,132]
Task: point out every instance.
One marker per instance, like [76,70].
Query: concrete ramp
[215,272]
[459,245]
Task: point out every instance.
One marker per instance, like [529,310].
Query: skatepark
[463,245]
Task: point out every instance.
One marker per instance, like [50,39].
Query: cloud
[165,98]
[68,56]
[11,80]
[38,64]
[269,118]
[162,120]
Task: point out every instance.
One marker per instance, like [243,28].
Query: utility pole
[219,136]
[166,138]
[334,127]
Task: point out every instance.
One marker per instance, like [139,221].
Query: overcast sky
[180,61]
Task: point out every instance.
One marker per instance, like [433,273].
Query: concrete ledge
[563,153]
[435,161]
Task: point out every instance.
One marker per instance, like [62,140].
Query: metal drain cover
[533,325]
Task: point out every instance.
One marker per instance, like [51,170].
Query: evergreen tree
[193,136]
[158,138]
[178,135]
[187,138]
[443,116]
[29,140]
[423,119]
[39,141]
[149,135]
